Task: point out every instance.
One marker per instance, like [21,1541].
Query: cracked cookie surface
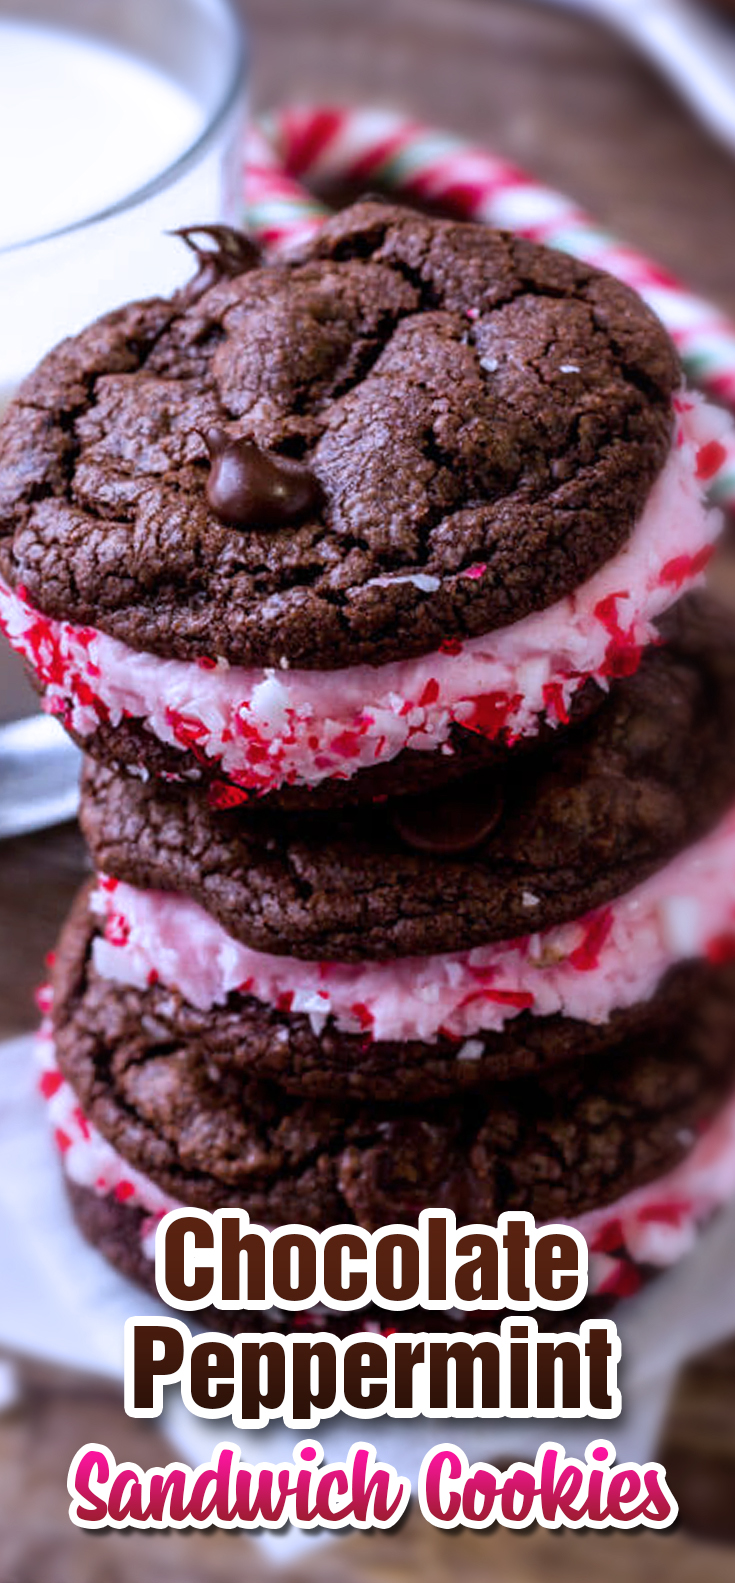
[468,401]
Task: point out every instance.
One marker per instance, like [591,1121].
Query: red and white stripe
[299,145]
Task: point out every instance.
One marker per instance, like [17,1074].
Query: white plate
[39,775]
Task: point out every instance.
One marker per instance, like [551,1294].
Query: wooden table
[568,100]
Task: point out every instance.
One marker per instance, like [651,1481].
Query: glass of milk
[120,120]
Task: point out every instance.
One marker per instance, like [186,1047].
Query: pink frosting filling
[656,1224]
[613,957]
[266,728]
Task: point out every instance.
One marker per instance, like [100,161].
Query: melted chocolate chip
[232,253]
[453,822]
[251,488]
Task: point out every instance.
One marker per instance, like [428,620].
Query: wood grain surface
[567,99]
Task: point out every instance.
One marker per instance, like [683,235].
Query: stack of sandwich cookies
[354,519]
[578,1070]
[422,888]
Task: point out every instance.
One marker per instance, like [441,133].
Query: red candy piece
[522,998]
[721,949]
[346,744]
[117,929]
[554,701]
[189,733]
[665,1214]
[683,567]
[123,1191]
[608,1238]
[221,794]
[586,957]
[430,693]
[491,712]
[49,1083]
[82,1122]
[710,458]
[621,659]
[606,611]
[363,1015]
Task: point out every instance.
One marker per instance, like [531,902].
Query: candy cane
[295,146]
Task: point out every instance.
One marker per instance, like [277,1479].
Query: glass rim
[171,172]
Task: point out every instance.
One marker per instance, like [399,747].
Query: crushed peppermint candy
[262,729]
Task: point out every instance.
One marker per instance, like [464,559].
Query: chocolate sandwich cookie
[307,515]
[554,836]
[249,1041]
[561,1143]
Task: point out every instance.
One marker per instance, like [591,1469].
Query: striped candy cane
[380,148]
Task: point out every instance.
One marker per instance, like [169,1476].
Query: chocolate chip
[233,253]
[251,488]
[455,821]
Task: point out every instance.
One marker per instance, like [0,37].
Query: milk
[82,126]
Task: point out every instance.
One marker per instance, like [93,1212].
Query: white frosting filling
[656,1224]
[264,728]
[612,958]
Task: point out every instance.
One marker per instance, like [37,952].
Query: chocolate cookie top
[557,1144]
[572,827]
[300,464]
